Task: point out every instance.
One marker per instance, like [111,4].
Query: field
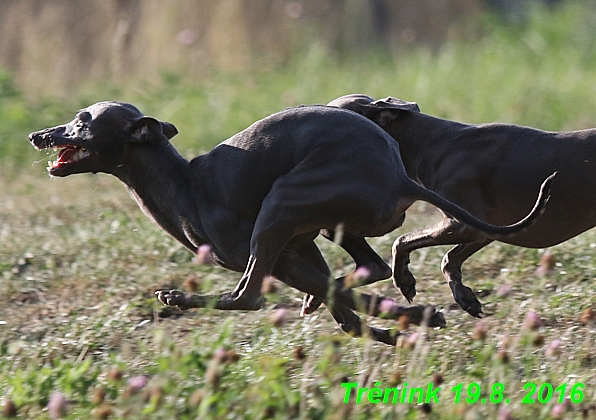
[82,336]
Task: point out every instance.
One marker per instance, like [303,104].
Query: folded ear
[149,130]
[382,112]
[168,129]
[391,102]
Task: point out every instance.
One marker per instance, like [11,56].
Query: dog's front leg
[185,301]
[245,297]
[267,241]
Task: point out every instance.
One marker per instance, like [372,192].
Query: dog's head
[97,139]
[382,111]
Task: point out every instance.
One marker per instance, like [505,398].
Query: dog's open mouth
[68,154]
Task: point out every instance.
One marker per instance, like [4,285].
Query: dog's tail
[465,217]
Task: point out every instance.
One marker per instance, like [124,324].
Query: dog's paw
[407,289]
[466,299]
[406,283]
[427,315]
[409,292]
[310,304]
[172,298]
[434,318]
[383,335]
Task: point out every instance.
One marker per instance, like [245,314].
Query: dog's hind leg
[363,255]
[302,266]
[447,232]
[451,267]
[346,319]
[351,323]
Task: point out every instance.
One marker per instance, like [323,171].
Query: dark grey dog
[491,170]
[261,197]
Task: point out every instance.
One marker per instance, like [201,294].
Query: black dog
[261,197]
[489,169]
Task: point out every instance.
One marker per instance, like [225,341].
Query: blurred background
[214,67]
[54,46]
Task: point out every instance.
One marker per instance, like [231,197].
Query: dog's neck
[158,178]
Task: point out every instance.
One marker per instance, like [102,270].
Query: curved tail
[465,217]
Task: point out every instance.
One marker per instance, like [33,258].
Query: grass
[79,262]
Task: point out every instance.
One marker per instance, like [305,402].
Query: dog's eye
[84,116]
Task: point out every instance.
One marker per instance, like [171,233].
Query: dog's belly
[568,214]
[374,227]
[544,234]
[503,195]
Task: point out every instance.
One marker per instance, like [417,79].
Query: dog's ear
[150,130]
[383,111]
[391,102]
[168,129]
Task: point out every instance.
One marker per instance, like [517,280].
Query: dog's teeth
[80,155]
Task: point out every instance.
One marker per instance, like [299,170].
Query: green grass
[79,262]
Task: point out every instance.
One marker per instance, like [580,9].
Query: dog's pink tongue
[66,154]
